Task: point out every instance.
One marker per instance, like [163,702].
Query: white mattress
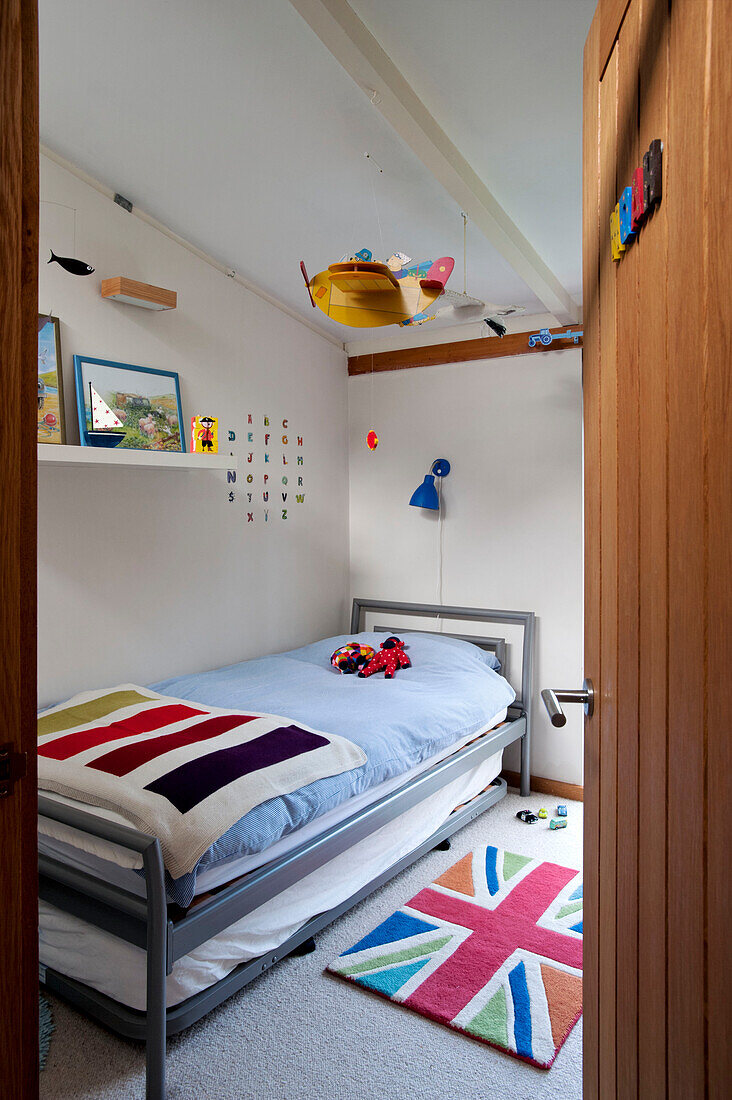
[90,955]
[117,864]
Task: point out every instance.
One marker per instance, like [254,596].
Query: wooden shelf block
[121,289]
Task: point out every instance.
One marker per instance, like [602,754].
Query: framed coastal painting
[51,428]
[124,406]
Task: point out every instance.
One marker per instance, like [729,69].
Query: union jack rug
[492,948]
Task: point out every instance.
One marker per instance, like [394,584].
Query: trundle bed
[146,947]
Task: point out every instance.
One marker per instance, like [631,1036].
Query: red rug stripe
[128,757]
[145,721]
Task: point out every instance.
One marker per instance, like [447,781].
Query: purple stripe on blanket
[194,781]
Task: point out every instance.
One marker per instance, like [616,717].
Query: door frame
[18,550]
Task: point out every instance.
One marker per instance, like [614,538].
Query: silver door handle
[553,698]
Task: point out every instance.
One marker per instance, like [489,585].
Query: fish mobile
[70,264]
[361,293]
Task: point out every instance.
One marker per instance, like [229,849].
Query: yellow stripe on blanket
[90,711]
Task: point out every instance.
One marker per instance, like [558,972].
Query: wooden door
[658,499]
[18,411]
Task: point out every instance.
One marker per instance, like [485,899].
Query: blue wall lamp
[426,495]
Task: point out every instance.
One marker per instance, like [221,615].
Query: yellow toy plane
[364,294]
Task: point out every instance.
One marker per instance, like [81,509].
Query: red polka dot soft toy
[390,657]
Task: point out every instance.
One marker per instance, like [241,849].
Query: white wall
[512,533]
[146,573]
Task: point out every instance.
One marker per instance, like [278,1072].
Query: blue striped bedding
[450,692]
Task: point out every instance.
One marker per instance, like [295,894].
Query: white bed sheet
[117,864]
[90,955]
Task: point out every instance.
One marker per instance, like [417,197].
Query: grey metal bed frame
[167,933]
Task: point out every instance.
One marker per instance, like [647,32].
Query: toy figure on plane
[364,294]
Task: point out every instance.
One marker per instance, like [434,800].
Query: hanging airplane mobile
[364,294]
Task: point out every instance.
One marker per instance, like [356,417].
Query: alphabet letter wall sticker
[231,476]
[259,447]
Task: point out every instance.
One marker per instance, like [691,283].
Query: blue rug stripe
[521,1011]
[491,872]
[391,981]
[399,926]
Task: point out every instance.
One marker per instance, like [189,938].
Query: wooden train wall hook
[637,200]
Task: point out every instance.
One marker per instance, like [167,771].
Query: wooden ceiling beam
[355,48]
[457,351]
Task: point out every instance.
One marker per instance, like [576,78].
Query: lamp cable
[440,551]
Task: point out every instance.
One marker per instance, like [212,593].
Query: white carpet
[299,1034]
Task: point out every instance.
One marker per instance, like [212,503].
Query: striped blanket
[182,772]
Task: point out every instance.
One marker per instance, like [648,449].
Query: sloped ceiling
[230,122]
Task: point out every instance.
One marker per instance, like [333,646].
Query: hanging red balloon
[372,440]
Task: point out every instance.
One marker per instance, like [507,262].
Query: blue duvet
[450,692]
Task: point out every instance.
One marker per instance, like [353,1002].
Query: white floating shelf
[54,454]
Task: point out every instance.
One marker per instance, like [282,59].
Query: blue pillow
[487,656]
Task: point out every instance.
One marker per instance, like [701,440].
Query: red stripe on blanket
[145,721]
[125,759]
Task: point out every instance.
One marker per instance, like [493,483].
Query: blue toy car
[561,811]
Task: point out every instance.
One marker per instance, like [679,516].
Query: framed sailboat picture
[129,407]
[51,427]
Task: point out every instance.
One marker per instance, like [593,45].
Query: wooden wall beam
[457,351]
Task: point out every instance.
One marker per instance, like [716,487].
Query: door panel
[653,590]
[656,367]
[627,278]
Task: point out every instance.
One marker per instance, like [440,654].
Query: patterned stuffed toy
[390,657]
[352,656]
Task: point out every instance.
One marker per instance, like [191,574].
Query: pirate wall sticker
[204,435]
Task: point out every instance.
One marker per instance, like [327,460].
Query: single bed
[151,955]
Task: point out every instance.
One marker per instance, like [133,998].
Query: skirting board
[547,786]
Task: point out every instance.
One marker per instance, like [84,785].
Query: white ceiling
[229,121]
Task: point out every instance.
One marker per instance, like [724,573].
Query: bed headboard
[525,619]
